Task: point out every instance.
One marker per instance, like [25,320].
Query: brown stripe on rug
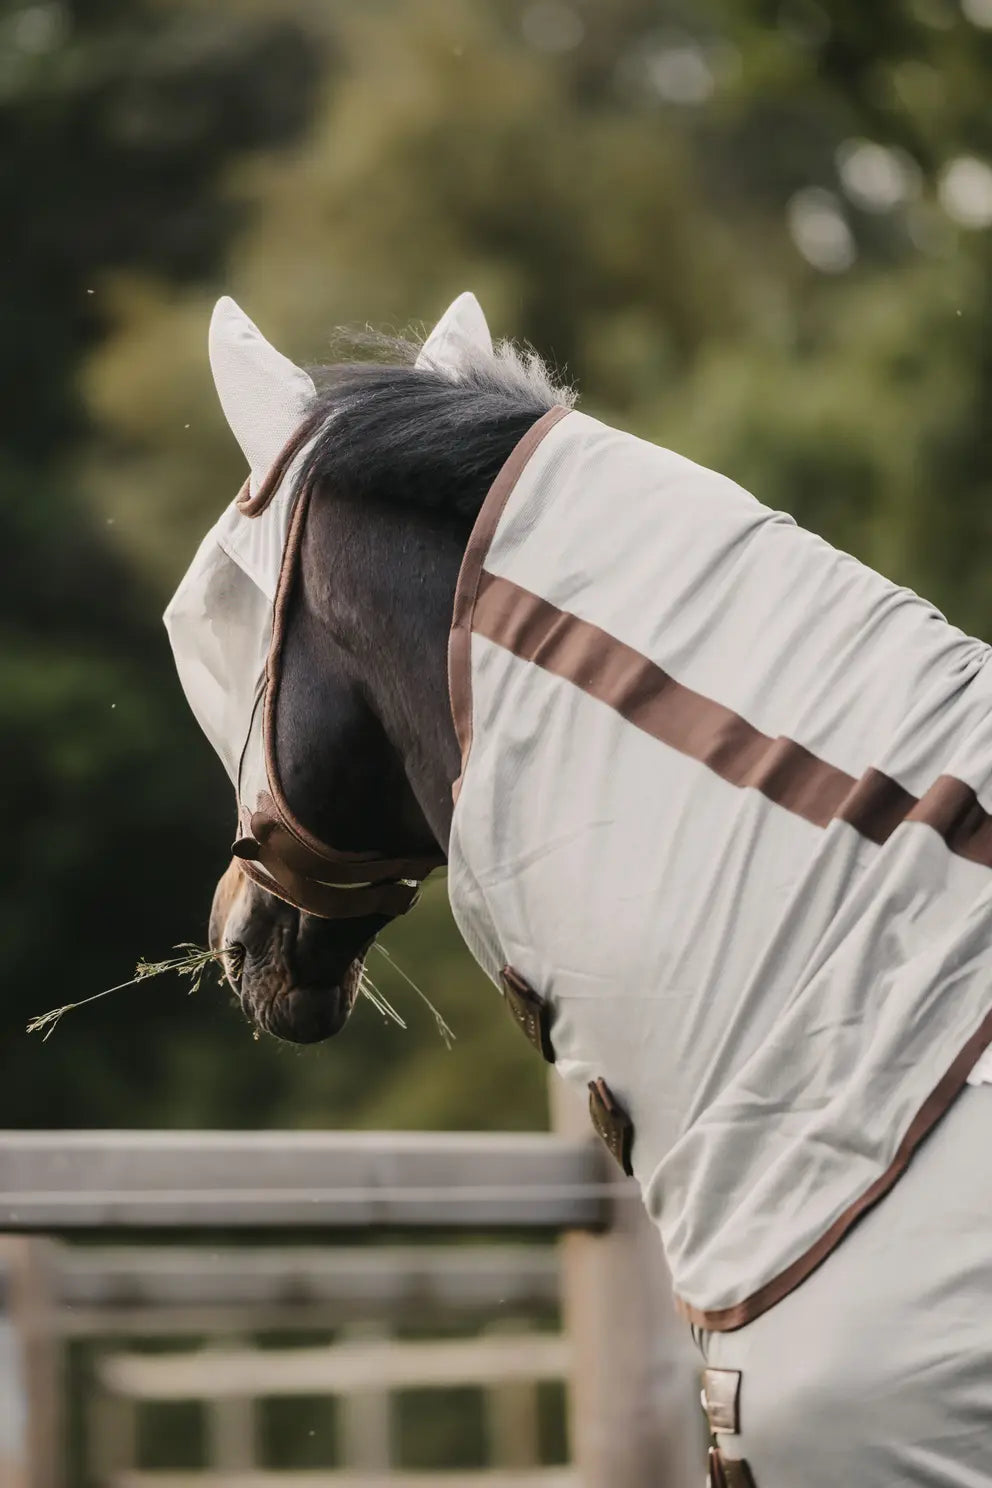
[783,771]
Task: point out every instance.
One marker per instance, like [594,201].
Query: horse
[711,799]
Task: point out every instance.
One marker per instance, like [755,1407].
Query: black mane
[421,435]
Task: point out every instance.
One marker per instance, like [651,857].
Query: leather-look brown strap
[331,901]
[276,841]
[331,885]
[612,1123]
[728,1472]
[529,1011]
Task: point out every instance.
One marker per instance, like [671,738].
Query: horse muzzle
[295,975]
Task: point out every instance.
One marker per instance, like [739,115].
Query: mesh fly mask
[227,620]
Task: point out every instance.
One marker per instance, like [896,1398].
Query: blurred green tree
[756,230]
[117,121]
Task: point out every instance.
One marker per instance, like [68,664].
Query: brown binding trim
[273,848]
[936,1105]
[253,506]
[470,573]
[280,616]
[282,816]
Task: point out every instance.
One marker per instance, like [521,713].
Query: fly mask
[227,620]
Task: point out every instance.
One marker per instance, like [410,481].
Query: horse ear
[263,394]
[462,329]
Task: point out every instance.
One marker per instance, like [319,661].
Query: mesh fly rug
[721,809]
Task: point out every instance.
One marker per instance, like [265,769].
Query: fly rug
[721,816]
[721,835]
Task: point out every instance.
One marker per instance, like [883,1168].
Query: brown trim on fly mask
[273,846]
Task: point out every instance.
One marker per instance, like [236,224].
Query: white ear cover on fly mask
[263,394]
[461,331]
[220,618]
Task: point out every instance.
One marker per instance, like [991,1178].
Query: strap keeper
[529,1011]
[720,1399]
[611,1123]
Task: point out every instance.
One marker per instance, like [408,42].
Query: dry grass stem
[379,1001]
[193,963]
[443,1028]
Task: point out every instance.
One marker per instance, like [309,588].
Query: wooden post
[13,1391]
[230,1425]
[30,1367]
[512,1417]
[366,1416]
[634,1419]
[111,1434]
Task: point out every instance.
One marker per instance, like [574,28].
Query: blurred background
[757,231]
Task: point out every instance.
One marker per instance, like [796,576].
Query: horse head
[311,637]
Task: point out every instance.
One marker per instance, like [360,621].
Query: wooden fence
[625,1364]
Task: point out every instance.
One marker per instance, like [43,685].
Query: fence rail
[543,1477]
[338,1369]
[189,1289]
[61,1181]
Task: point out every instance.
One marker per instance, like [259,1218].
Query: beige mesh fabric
[772,991]
[263,394]
[220,624]
[220,619]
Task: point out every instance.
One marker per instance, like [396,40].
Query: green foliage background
[624,183]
